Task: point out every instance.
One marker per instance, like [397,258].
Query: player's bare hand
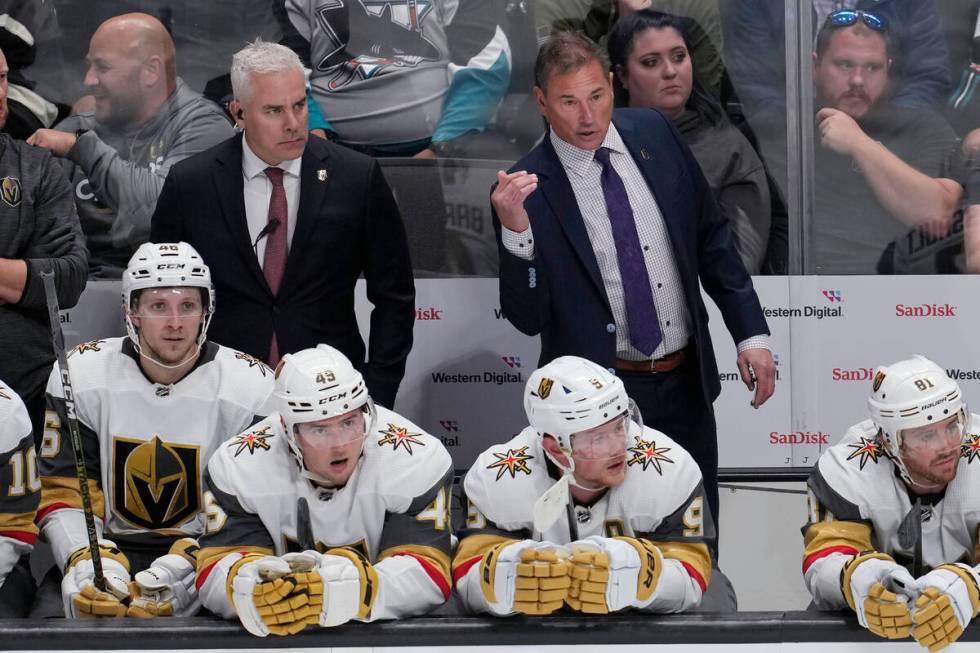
[56,142]
[509,195]
[758,372]
[838,131]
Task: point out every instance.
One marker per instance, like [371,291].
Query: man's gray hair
[260,57]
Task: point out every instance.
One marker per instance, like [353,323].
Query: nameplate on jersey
[155,484]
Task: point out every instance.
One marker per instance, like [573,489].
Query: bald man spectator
[145,120]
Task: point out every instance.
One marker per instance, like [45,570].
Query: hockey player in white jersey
[373,540]
[894,511]
[152,408]
[20,491]
[638,535]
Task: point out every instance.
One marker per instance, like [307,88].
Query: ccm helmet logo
[171,266]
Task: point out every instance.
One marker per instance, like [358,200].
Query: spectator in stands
[26,31]
[145,120]
[755,50]
[596,18]
[649,53]
[38,231]
[402,79]
[880,169]
[893,511]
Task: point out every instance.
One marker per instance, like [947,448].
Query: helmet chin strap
[191,356]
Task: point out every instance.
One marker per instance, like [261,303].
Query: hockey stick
[58,342]
[304,527]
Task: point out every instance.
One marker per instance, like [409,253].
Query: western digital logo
[483,377]
[832,295]
[513,362]
[963,375]
[818,312]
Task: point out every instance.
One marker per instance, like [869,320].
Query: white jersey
[20,488]
[146,444]
[859,502]
[393,512]
[661,499]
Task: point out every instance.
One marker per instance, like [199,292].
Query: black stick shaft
[58,342]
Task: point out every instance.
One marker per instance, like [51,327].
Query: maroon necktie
[276,246]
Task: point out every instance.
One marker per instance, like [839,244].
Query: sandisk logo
[431,313]
[925,310]
[856,374]
[799,437]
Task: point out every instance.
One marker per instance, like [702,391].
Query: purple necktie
[641,312]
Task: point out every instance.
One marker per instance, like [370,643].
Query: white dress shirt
[258,192]
[585,176]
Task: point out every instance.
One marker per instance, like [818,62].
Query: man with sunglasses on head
[151,409]
[879,169]
[586,507]
[894,512]
[350,520]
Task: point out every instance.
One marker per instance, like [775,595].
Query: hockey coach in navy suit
[604,230]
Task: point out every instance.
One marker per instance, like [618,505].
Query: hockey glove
[270,597]
[166,588]
[527,577]
[610,574]
[78,592]
[949,599]
[879,590]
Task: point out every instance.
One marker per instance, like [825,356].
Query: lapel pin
[321,175]
[644,153]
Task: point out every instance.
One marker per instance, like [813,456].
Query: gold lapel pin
[321,175]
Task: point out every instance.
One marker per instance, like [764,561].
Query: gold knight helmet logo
[10,191]
[155,483]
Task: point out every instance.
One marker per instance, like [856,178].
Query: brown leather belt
[668,363]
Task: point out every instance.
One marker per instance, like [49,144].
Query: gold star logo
[647,454]
[92,345]
[515,460]
[252,441]
[252,361]
[970,449]
[398,436]
[867,450]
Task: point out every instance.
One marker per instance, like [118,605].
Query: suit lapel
[560,197]
[315,178]
[230,187]
[661,173]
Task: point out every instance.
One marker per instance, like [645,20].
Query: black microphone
[270,226]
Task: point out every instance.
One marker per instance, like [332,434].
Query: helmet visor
[169,303]
[333,431]
[602,442]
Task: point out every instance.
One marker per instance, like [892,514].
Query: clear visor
[603,442]
[181,303]
[945,434]
[333,431]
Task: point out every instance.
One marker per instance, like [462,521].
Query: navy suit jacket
[347,224]
[560,294]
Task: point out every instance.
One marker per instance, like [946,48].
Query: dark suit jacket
[560,293]
[347,224]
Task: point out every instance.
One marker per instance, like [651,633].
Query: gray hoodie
[116,175]
[34,198]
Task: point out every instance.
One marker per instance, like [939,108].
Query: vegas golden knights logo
[155,484]
[544,388]
[10,191]
[879,377]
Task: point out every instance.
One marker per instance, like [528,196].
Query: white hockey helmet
[572,394]
[316,384]
[166,265]
[909,394]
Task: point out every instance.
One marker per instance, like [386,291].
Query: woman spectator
[649,54]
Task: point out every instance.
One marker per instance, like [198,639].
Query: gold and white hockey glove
[527,577]
[78,593]
[350,583]
[271,597]
[613,573]
[949,598]
[166,588]
[879,590]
